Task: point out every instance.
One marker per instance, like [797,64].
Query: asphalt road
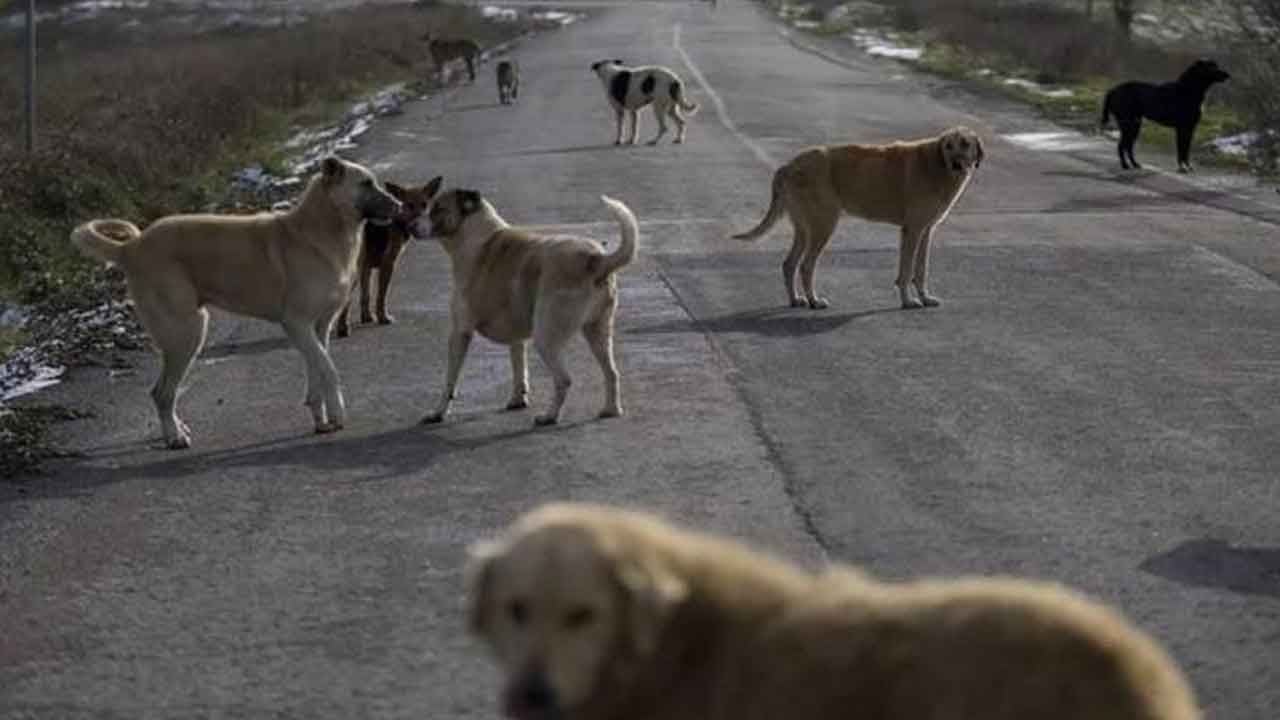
[1097,402]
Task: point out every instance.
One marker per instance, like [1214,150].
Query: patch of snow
[807,24]
[25,372]
[1039,89]
[556,17]
[497,14]
[884,46]
[1236,145]
[1052,141]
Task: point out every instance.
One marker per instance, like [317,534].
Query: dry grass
[147,127]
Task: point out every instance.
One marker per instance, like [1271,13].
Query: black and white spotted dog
[631,88]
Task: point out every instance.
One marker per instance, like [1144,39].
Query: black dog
[1176,105]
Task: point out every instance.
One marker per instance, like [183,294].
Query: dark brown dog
[381,247]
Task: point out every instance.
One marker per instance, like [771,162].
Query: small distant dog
[632,88]
[443,51]
[381,248]
[1176,104]
[292,267]
[508,81]
[909,184]
[511,285]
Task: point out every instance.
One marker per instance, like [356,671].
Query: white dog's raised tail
[626,252]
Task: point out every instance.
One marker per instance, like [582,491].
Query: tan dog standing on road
[293,267]
[602,614]
[511,285]
[909,184]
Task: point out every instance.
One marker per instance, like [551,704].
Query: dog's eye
[519,612]
[579,618]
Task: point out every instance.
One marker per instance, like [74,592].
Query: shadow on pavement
[566,150]
[1215,564]
[769,322]
[253,347]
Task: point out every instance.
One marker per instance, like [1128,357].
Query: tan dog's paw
[385,319]
[610,412]
[434,418]
[912,304]
[930,300]
[518,403]
[181,442]
[366,318]
[325,428]
[798,302]
[819,303]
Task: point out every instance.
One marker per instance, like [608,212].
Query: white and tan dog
[632,88]
[511,286]
[294,268]
[596,613]
[909,184]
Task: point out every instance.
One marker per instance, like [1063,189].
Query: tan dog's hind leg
[909,242]
[680,123]
[554,324]
[920,277]
[459,342]
[179,333]
[519,376]
[799,239]
[821,219]
[599,335]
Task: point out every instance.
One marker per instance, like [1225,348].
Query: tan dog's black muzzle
[531,697]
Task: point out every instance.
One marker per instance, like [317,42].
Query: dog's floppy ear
[468,201]
[478,578]
[433,187]
[652,593]
[333,169]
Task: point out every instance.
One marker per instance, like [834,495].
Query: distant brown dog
[602,614]
[909,184]
[380,250]
[445,50]
[511,285]
[293,267]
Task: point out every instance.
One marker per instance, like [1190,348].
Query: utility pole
[31,75]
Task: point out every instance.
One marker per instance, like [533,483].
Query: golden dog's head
[961,149]
[451,209]
[567,605]
[356,192]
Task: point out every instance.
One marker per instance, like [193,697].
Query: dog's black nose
[538,694]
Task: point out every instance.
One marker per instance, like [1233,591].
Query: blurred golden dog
[600,613]
[909,184]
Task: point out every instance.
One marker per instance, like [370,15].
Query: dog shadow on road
[473,106]
[1215,564]
[564,150]
[766,322]
[397,452]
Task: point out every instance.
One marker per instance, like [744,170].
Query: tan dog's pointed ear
[433,187]
[653,594]
[478,579]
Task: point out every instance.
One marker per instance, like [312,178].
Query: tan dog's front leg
[458,344]
[920,277]
[620,115]
[909,240]
[519,376]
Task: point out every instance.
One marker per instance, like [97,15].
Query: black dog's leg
[1185,133]
[1128,137]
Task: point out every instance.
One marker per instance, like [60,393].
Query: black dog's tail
[1106,112]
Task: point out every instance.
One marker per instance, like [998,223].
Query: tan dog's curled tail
[626,252]
[776,209]
[105,240]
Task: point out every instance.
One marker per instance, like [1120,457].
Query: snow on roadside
[1039,89]
[1236,145]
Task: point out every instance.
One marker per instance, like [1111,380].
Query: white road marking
[721,111]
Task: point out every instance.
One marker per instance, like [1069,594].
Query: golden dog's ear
[652,594]
[433,187]
[478,577]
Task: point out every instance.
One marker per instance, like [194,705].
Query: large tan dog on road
[602,614]
[294,268]
[909,184]
[511,285]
